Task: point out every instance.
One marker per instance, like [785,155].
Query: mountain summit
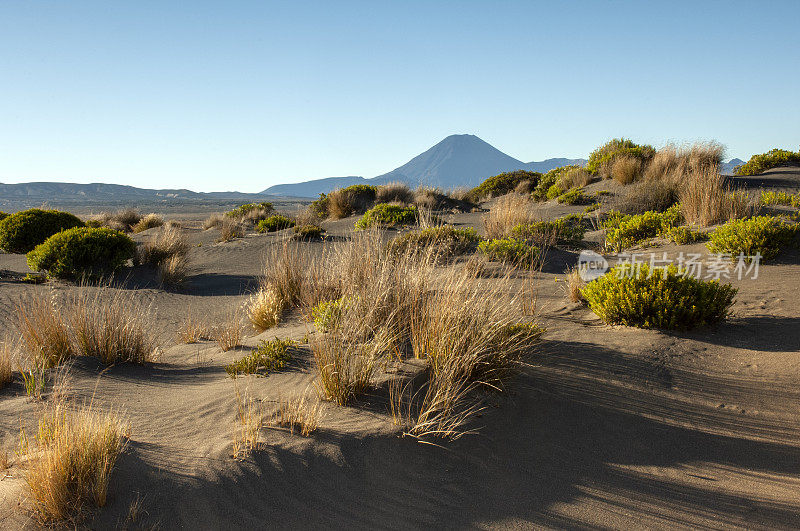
[456,161]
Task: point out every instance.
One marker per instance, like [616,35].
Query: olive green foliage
[554,191]
[780,198]
[569,229]
[3,215]
[574,197]
[275,223]
[327,314]
[684,235]
[592,207]
[765,235]
[320,206]
[445,240]
[308,232]
[502,184]
[82,251]
[509,250]
[388,215]
[664,298]
[21,232]
[618,147]
[270,356]
[548,180]
[765,161]
[626,231]
[243,210]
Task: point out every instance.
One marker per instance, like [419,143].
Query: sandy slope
[609,427]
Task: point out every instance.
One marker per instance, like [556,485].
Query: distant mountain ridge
[456,161]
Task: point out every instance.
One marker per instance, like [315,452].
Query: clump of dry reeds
[264,308]
[229,230]
[301,414]
[228,335]
[70,460]
[626,170]
[148,222]
[707,200]
[249,420]
[213,221]
[508,211]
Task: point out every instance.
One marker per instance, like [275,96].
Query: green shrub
[605,155]
[243,211]
[388,215]
[554,191]
[327,314]
[21,232]
[502,184]
[574,197]
[549,179]
[274,223]
[82,251]
[665,298]
[270,356]
[3,215]
[780,198]
[445,240]
[319,207]
[592,207]
[509,250]
[626,231]
[765,161]
[762,234]
[568,229]
[684,235]
[308,232]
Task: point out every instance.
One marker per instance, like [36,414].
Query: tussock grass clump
[275,223]
[269,356]
[627,231]
[149,221]
[626,169]
[518,253]
[192,330]
[765,235]
[508,212]
[602,159]
[649,195]
[174,270]
[265,307]
[569,229]
[395,192]
[229,230]
[249,420]
[387,215]
[8,353]
[665,299]
[213,221]
[250,213]
[502,184]
[301,414]
[676,163]
[22,231]
[168,251]
[574,285]
[555,179]
[706,200]
[446,241]
[771,159]
[70,461]
[228,335]
[45,337]
[354,199]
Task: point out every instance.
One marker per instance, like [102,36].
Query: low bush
[509,250]
[354,199]
[275,223]
[574,197]
[684,235]
[3,215]
[148,222]
[82,251]
[269,356]
[308,232]
[386,215]
[627,231]
[444,241]
[568,229]
[554,191]
[649,195]
[765,235]
[550,178]
[327,314]
[502,184]
[251,212]
[396,192]
[664,299]
[780,198]
[771,159]
[23,231]
[601,160]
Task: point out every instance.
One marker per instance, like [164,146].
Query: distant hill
[726,168]
[456,161]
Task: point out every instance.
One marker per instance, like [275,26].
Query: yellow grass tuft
[249,420]
[508,211]
[229,334]
[300,413]
[625,170]
[264,308]
[148,222]
[45,337]
[706,200]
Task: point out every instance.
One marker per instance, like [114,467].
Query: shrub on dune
[602,159]
[664,299]
[771,159]
[308,232]
[444,241]
[396,192]
[275,223]
[518,253]
[554,177]
[250,212]
[354,199]
[148,222]
[23,231]
[765,235]
[269,356]
[502,184]
[574,197]
[386,215]
[82,251]
[627,231]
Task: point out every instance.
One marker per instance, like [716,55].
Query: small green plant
[765,235]
[554,191]
[22,231]
[308,232]
[765,161]
[601,159]
[270,356]
[663,298]
[35,380]
[509,250]
[34,279]
[445,240]
[274,223]
[592,207]
[684,235]
[327,314]
[243,211]
[82,251]
[549,179]
[627,231]
[502,184]
[573,197]
[388,215]
[780,198]
[568,229]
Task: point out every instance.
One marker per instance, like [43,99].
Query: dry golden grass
[301,414]
[8,355]
[148,222]
[508,211]
[575,178]
[230,230]
[45,338]
[173,270]
[626,170]
[573,285]
[706,200]
[192,331]
[264,308]
[169,242]
[249,420]
[228,335]
[676,163]
[213,221]
[110,325]
[70,461]
[644,195]
[395,192]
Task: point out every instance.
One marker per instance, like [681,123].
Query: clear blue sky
[242,95]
